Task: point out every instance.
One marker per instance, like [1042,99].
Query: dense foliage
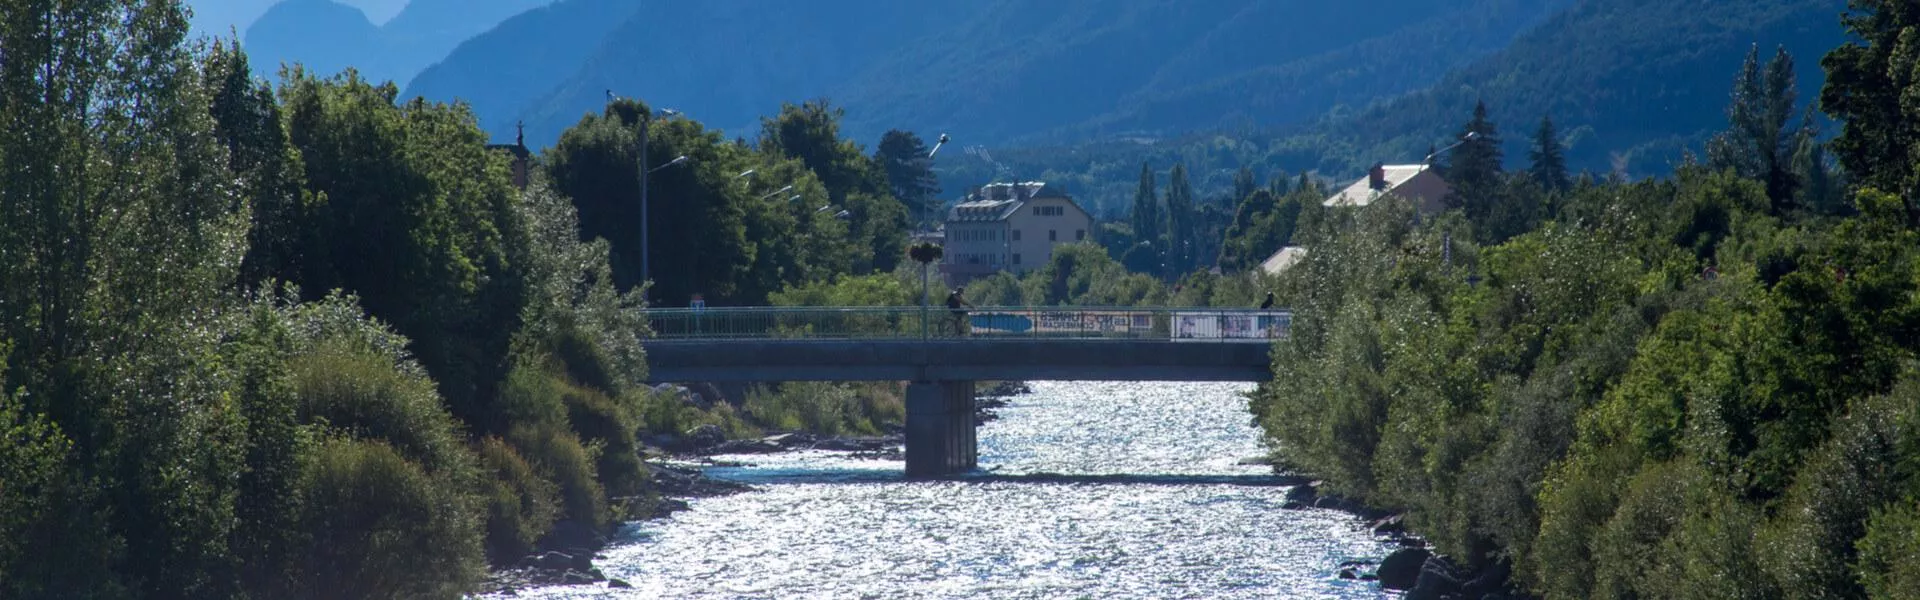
[1700,386]
[308,340]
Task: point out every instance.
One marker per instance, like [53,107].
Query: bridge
[941,355]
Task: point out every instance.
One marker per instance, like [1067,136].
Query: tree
[1759,143]
[1873,88]
[418,222]
[1180,231]
[1145,257]
[1475,167]
[1549,158]
[810,132]
[903,156]
[1244,184]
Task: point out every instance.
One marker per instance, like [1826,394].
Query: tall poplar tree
[1145,255]
[1180,244]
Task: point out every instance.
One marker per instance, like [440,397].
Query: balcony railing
[982,323]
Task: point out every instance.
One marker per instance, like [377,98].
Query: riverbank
[676,463]
[1413,568]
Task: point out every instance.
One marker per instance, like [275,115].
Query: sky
[217,16]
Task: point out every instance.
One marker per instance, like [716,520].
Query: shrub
[380,526]
[356,390]
[557,455]
[609,428]
[521,506]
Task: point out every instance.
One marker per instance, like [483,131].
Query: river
[1087,490]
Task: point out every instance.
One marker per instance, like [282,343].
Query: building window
[973,259]
[1053,235]
[1080,235]
[1016,235]
[1016,258]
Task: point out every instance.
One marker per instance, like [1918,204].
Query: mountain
[1631,84]
[328,36]
[989,71]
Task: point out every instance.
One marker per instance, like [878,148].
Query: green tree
[1474,167]
[418,223]
[1759,142]
[810,132]
[1148,225]
[903,156]
[1870,87]
[1181,235]
[1549,158]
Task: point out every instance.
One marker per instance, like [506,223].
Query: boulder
[1304,494]
[1389,526]
[704,436]
[617,583]
[576,578]
[1438,579]
[1401,570]
[1348,573]
[555,560]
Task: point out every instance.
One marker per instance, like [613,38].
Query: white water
[1089,490]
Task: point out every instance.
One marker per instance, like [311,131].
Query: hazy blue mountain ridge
[328,36]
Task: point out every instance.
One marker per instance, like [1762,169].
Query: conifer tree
[1759,143]
[1549,158]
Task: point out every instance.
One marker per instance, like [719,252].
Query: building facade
[1010,227]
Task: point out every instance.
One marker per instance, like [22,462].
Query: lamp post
[646,234]
[924,253]
[1470,136]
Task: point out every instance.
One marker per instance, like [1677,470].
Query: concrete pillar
[940,436]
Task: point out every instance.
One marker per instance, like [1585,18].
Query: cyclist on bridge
[957,303]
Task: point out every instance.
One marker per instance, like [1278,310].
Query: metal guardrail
[991,322]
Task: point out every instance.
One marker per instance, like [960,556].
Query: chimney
[1377,176]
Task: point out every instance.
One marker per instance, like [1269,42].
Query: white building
[1010,227]
[1418,184]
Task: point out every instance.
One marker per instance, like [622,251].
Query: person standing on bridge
[1268,303]
[957,302]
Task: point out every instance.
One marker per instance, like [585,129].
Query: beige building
[1010,227]
[1418,184]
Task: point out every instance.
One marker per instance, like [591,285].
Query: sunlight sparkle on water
[1087,490]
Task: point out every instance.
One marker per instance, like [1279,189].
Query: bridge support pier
[940,431]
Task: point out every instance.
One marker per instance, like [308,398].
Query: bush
[380,526]
[357,390]
[521,506]
[825,408]
[557,455]
[610,429]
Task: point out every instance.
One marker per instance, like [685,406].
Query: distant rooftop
[996,201]
[1362,192]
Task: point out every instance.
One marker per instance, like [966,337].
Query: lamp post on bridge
[924,253]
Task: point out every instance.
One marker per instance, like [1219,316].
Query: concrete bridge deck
[951,359]
[941,355]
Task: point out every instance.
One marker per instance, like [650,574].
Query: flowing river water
[1087,490]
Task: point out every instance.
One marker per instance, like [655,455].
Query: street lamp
[776,192]
[1470,136]
[646,235]
[746,173]
[937,145]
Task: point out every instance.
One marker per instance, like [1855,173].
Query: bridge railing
[991,322]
